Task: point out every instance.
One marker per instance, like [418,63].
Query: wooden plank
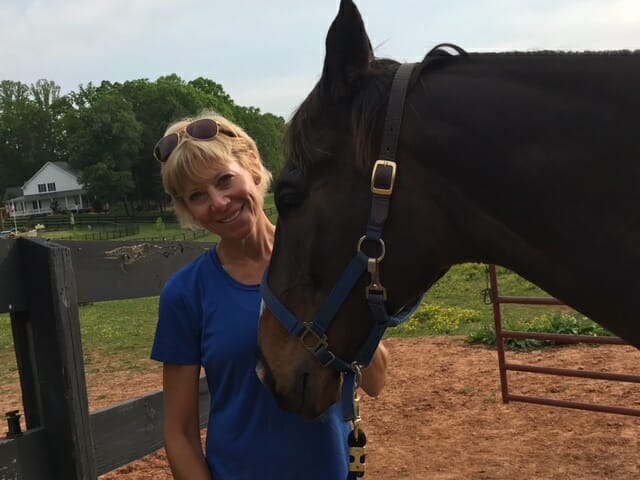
[25,359]
[117,270]
[104,270]
[55,326]
[25,457]
[11,296]
[133,429]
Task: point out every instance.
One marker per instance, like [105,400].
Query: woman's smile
[231,217]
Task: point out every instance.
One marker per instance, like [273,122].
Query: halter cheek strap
[313,335]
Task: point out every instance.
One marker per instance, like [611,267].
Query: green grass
[120,331]
[124,328]
[456,306]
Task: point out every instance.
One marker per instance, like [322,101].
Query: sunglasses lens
[203,129]
[165,147]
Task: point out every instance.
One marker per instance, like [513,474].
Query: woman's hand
[375,375]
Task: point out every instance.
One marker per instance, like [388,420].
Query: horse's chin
[311,393]
[312,407]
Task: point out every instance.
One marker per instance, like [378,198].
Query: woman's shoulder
[196,271]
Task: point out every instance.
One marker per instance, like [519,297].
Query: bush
[567,323]
[432,319]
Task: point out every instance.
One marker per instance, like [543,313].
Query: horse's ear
[348,53]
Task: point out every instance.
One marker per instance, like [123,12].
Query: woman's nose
[218,199]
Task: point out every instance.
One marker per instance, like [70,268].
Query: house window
[35,204]
[42,187]
[51,187]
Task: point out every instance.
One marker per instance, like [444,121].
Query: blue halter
[312,335]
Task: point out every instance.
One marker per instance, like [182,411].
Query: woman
[209,314]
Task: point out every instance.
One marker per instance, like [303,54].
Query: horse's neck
[539,184]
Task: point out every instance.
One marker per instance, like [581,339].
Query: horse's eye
[287,199]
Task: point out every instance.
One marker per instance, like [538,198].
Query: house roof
[61,165]
[66,167]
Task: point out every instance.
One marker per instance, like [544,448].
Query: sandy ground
[441,416]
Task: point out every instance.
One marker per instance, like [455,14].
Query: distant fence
[62,221]
[105,232]
[41,286]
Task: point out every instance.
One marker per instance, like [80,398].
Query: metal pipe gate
[497,301]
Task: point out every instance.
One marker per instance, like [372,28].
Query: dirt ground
[441,416]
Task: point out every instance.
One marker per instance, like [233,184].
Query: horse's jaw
[298,382]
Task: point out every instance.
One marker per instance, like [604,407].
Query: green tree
[268,132]
[158,104]
[103,143]
[216,99]
[29,129]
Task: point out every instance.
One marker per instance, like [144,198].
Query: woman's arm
[375,375]
[182,423]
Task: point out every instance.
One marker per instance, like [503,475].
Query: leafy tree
[28,128]
[158,104]
[108,131]
[106,183]
[216,98]
[103,143]
[268,131]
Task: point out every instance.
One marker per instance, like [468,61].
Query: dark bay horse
[530,161]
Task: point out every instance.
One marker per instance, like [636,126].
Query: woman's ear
[256,176]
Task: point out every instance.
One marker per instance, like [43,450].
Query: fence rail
[505,366]
[41,286]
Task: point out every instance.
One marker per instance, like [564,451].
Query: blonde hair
[193,159]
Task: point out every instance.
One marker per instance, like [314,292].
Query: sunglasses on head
[203,129]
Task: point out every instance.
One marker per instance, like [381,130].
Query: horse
[529,160]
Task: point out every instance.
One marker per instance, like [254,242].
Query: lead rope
[357,439]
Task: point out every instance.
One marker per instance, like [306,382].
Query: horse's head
[324,198]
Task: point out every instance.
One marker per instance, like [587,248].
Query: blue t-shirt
[207,318]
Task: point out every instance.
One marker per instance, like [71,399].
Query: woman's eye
[196,196]
[225,180]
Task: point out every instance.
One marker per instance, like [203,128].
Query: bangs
[192,162]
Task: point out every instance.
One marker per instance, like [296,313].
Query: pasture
[440,416]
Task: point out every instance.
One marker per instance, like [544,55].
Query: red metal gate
[501,334]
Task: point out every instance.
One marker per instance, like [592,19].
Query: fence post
[50,355]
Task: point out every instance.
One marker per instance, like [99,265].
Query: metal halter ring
[383,249]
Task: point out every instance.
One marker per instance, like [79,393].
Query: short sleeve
[178,333]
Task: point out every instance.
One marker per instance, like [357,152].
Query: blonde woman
[209,315]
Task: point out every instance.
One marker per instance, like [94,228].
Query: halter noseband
[312,335]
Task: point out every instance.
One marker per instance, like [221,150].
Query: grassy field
[123,330]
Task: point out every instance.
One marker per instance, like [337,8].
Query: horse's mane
[369,104]
[365,112]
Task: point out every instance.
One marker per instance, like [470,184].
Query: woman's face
[228,203]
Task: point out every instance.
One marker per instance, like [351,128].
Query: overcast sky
[268,53]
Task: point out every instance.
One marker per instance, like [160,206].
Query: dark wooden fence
[41,285]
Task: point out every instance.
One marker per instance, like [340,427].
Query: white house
[54,182]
